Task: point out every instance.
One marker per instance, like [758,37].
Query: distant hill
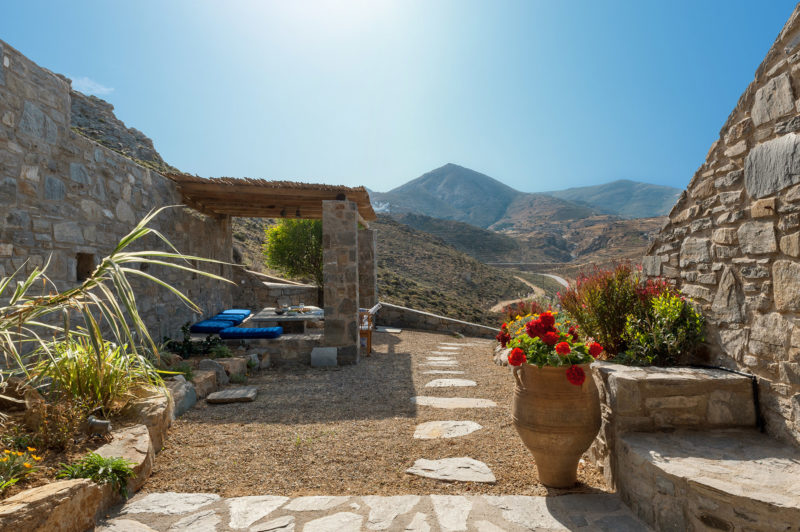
[490,246]
[453,192]
[629,199]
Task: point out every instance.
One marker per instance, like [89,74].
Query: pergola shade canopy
[259,198]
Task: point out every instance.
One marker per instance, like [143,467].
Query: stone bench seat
[726,479]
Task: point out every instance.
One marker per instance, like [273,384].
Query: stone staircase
[681,447]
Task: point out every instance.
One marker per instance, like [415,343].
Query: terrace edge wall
[732,241]
[62,194]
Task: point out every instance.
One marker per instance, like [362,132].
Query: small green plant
[114,470]
[671,330]
[251,364]
[220,351]
[17,439]
[238,379]
[185,369]
[16,465]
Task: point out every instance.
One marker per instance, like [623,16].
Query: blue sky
[541,95]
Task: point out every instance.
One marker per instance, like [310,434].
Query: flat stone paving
[169,512]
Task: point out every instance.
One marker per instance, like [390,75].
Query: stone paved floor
[200,512]
[172,512]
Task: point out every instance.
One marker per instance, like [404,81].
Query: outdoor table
[290,320]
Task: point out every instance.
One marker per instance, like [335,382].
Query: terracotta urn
[556,419]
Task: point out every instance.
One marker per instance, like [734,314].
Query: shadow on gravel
[378,387]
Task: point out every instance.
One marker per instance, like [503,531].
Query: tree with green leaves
[294,247]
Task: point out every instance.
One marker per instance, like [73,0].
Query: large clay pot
[556,419]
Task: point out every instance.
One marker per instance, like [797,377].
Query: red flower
[535,328]
[547,319]
[516,357]
[503,337]
[575,375]
[550,337]
[573,331]
[563,348]
[595,349]
[504,327]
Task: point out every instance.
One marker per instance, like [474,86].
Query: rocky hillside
[94,118]
[419,270]
[629,199]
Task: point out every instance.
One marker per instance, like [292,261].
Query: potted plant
[556,408]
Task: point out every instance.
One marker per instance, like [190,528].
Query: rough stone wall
[367,268]
[732,241]
[340,277]
[62,194]
[252,291]
[397,316]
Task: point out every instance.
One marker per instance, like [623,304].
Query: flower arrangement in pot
[556,407]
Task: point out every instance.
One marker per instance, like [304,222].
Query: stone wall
[397,316]
[62,195]
[340,277]
[367,268]
[253,291]
[732,241]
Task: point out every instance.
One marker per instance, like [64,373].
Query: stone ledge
[649,399]
[724,479]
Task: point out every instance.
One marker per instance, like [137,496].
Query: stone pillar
[367,268]
[340,277]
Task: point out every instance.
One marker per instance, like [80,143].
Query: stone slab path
[198,512]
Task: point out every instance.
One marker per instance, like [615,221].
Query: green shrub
[670,331]
[115,471]
[98,376]
[601,301]
[220,351]
[295,248]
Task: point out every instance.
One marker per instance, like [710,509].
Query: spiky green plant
[38,331]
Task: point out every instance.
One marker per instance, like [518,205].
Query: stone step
[732,479]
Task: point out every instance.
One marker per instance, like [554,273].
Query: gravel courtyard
[349,430]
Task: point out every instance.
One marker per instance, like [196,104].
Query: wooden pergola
[259,198]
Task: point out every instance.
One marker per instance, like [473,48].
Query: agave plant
[99,318]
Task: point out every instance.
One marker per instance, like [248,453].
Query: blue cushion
[236,319]
[243,311]
[232,333]
[211,326]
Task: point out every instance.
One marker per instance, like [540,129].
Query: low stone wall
[74,505]
[397,316]
[254,291]
[650,399]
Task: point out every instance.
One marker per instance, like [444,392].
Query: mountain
[451,192]
[456,193]
[629,199]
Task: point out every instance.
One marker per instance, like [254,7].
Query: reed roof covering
[259,198]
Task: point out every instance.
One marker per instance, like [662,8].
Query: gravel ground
[349,431]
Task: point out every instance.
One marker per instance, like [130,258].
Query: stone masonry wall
[396,316]
[732,241]
[340,278]
[254,292]
[62,194]
[367,268]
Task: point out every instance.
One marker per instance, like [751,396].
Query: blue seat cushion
[236,319]
[245,312]
[234,333]
[211,326]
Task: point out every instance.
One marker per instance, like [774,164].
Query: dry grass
[349,431]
